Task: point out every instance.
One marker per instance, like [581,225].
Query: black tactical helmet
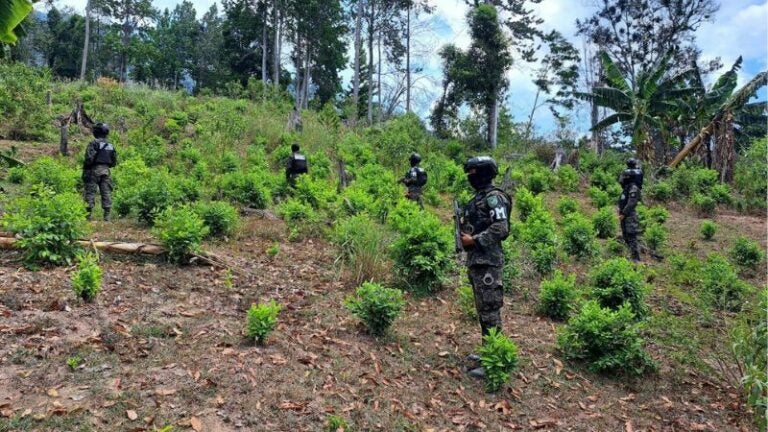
[480,171]
[632,163]
[415,159]
[100,130]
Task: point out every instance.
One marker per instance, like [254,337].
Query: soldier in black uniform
[484,225]
[100,156]
[297,165]
[632,183]
[415,180]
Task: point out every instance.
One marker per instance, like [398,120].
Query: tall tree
[86,43]
[477,76]
[639,33]
[206,57]
[131,16]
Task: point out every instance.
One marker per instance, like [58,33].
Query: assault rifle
[457,226]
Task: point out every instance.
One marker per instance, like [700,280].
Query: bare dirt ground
[164,345]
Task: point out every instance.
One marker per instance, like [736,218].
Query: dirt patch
[163,345]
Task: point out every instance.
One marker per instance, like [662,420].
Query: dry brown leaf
[443,354]
[53,392]
[558,366]
[628,426]
[196,424]
[131,414]
[164,391]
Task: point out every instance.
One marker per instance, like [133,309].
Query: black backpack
[421,177]
[299,164]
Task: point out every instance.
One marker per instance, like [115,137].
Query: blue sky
[739,28]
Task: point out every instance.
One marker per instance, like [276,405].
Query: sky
[740,27]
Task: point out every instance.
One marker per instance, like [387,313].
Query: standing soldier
[297,165]
[415,179]
[631,183]
[100,156]
[484,225]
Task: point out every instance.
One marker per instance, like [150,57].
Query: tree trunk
[378,79]
[264,43]
[529,125]
[64,138]
[408,60]
[358,49]
[84,64]
[695,142]
[493,123]
[307,77]
[725,148]
[371,33]
[276,65]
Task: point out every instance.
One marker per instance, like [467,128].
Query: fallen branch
[7,241]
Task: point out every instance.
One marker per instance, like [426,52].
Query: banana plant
[12,13]
[641,107]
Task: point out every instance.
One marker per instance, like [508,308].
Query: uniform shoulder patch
[493,201]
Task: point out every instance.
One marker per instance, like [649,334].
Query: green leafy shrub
[655,237]
[335,423]
[86,280]
[614,248]
[511,269]
[498,357]
[720,284]
[246,188]
[704,179]
[354,200]
[466,300]
[316,192]
[180,230]
[617,281]
[605,223]
[362,244]
[220,218]
[566,206]
[704,204]
[526,203]
[661,191]
[160,191]
[750,343]
[229,162]
[423,253]
[683,181]
[750,174]
[22,92]
[261,320]
[52,174]
[544,259]
[601,179]
[608,340]
[652,215]
[579,237]
[402,214]
[557,296]
[721,193]
[568,178]
[538,181]
[49,225]
[708,229]
[599,197]
[376,306]
[17,174]
[747,253]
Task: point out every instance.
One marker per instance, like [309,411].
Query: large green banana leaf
[12,13]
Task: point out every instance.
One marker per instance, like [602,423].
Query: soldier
[415,179]
[100,156]
[632,183]
[484,225]
[297,165]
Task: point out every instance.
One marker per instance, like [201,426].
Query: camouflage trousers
[489,295]
[414,194]
[630,227]
[98,183]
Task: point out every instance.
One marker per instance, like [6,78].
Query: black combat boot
[107,214]
[89,213]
